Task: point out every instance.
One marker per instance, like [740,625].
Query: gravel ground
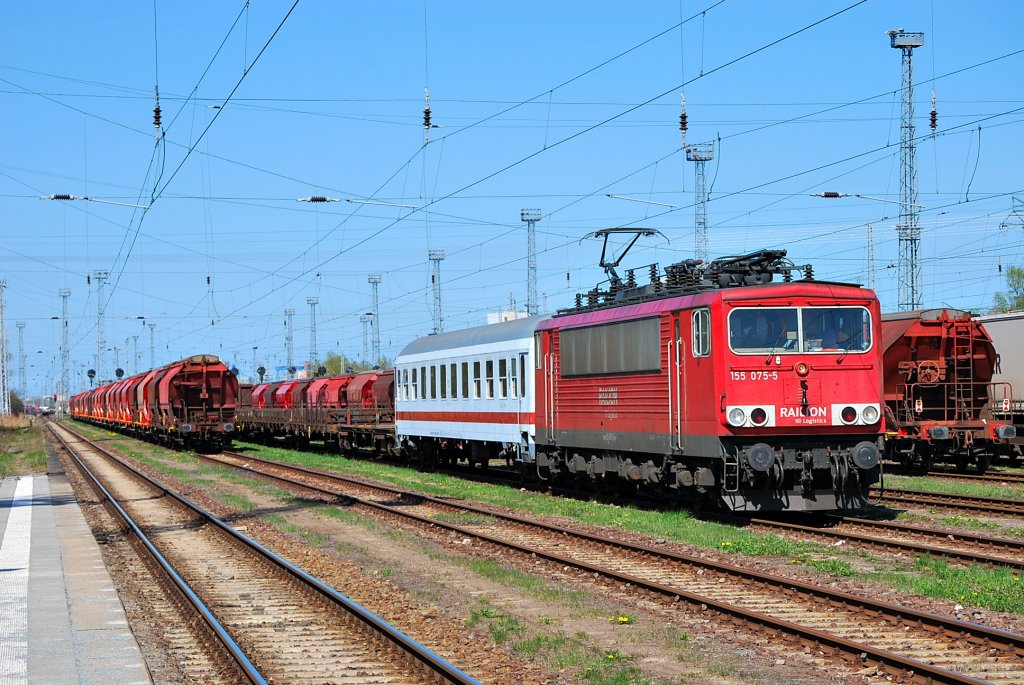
[424,584]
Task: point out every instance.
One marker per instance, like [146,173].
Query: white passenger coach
[473,388]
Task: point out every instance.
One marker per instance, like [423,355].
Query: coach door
[674,351]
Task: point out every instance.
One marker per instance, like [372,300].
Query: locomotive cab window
[787,330]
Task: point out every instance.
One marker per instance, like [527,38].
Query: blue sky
[538,105]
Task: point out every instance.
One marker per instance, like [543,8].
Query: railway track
[988,477]
[275,622]
[987,506]
[906,538]
[903,642]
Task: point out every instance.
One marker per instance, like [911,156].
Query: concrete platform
[61,620]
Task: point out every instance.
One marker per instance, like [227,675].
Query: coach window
[444,381]
[701,333]
[538,358]
[513,378]
[465,380]
[476,380]
[415,385]
[433,382]
[455,380]
[502,378]
[490,378]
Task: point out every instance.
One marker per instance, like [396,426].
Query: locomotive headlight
[802,369]
[758,416]
[760,457]
[865,455]
[870,414]
[737,417]
[848,415]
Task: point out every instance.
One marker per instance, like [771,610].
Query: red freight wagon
[940,399]
[190,403]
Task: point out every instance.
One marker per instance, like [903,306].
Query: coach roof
[472,337]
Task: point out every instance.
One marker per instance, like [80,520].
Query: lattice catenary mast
[531,217]
[435,257]
[5,394]
[908,229]
[22,380]
[375,280]
[65,380]
[313,361]
[101,337]
[152,345]
[700,154]
[365,320]
[289,346]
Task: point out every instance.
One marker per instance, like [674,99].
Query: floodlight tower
[65,380]
[375,280]
[700,154]
[436,256]
[531,217]
[22,381]
[312,302]
[908,229]
[288,338]
[5,395]
[101,338]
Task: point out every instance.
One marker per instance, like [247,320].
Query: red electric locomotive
[941,401]
[190,403]
[715,385]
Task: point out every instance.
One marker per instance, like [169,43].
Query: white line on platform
[14,558]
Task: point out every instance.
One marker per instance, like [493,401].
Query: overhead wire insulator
[831,194]
[62,196]
[426,115]
[318,198]
[683,123]
[156,113]
[934,116]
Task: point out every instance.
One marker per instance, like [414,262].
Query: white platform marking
[14,557]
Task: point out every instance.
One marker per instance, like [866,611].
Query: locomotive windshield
[782,330]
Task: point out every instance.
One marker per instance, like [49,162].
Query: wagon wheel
[962,458]
[984,460]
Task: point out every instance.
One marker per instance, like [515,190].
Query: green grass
[952,487]
[236,501]
[22,451]
[997,589]
[678,525]
[577,653]
[531,584]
